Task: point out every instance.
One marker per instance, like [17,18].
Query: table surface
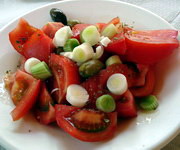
[169,10]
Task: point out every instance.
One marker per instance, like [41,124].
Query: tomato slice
[39,46]
[149,47]
[63,112]
[76,30]
[65,73]
[126,106]
[51,27]
[21,34]
[117,45]
[24,93]
[147,88]
[45,111]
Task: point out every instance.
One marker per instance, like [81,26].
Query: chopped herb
[23,39]
[8,71]
[17,41]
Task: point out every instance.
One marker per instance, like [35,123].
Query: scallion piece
[113,60]
[41,71]
[90,35]
[82,53]
[106,103]
[109,31]
[148,103]
[70,45]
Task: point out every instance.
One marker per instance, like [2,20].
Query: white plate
[147,131]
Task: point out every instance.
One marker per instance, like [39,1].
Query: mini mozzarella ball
[30,63]
[99,52]
[105,41]
[61,36]
[117,84]
[67,54]
[77,95]
[82,53]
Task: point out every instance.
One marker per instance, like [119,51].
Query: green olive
[90,68]
[72,23]
[58,16]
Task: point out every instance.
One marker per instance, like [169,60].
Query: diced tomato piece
[126,106]
[62,114]
[39,46]
[45,111]
[21,34]
[117,45]
[77,30]
[148,88]
[96,85]
[51,27]
[114,21]
[24,93]
[65,73]
[100,26]
[149,47]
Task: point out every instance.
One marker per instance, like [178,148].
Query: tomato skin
[28,98]
[126,106]
[149,47]
[117,45]
[45,111]
[77,30]
[65,73]
[63,111]
[51,27]
[148,88]
[39,46]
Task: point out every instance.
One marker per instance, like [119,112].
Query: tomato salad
[85,76]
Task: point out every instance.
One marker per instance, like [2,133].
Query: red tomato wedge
[126,106]
[24,93]
[149,47]
[63,112]
[77,30]
[39,46]
[51,27]
[21,34]
[96,85]
[117,45]
[65,73]
[45,111]
[148,88]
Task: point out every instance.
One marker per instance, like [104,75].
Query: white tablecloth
[167,9]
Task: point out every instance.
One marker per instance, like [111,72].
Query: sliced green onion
[82,53]
[72,23]
[149,102]
[106,103]
[90,35]
[70,45]
[113,60]
[41,71]
[109,31]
